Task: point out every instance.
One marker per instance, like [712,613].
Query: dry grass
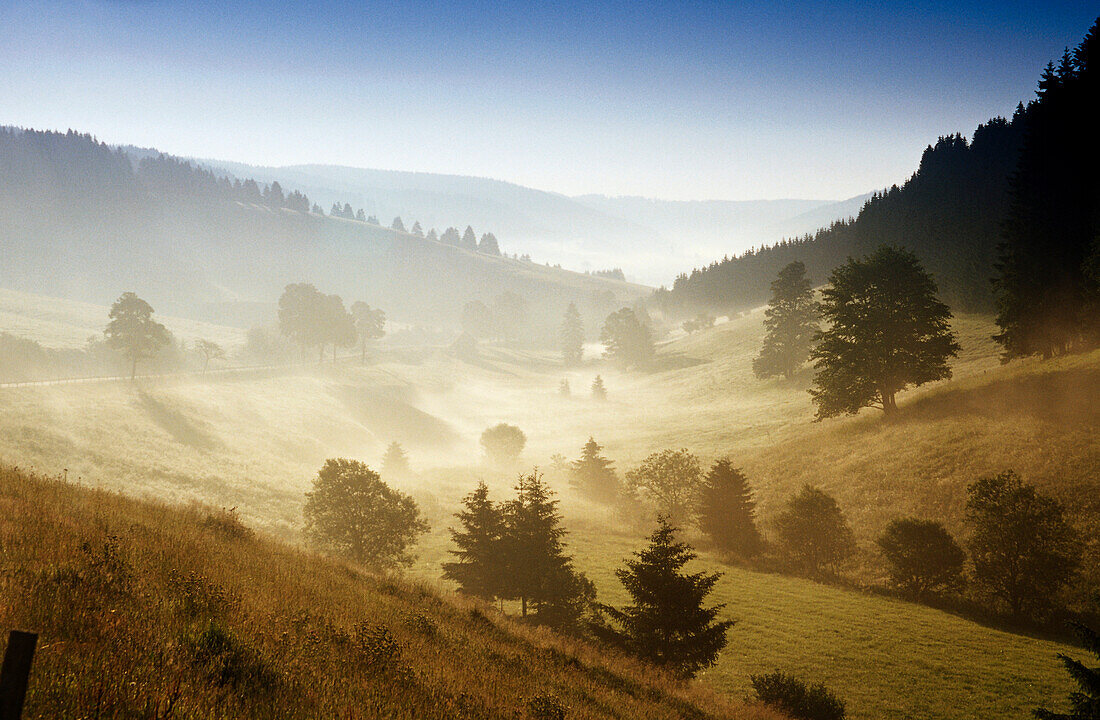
[147,611]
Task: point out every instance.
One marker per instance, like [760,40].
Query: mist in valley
[541,429]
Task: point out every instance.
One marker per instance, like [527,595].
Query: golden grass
[124,594]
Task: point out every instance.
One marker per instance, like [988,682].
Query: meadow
[254,443]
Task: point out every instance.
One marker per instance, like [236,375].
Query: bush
[226,523]
[229,663]
[796,698]
[813,534]
[923,557]
[503,443]
[377,646]
[545,707]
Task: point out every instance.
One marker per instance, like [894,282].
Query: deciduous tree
[133,331]
[886,332]
[671,479]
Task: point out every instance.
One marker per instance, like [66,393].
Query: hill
[146,610]
[80,222]
[646,237]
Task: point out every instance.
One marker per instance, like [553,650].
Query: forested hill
[950,213]
[83,221]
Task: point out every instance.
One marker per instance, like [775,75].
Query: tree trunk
[523,604]
[133,368]
[889,404]
[363,359]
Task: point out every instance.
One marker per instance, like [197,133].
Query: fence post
[14,673]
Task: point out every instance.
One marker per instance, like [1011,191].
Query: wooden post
[14,673]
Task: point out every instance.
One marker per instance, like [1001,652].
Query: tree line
[1015,204]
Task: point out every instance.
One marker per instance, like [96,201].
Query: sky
[682,100]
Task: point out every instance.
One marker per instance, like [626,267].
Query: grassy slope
[256,442]
[121,591]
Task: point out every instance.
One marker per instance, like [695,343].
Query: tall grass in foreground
[148,611]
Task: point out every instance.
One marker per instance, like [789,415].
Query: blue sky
[674,100]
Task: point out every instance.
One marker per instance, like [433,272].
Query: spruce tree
[668,624]
[397,224]
[593,475]
[572,336]
[1085,704]
[599,392]
[395,463]
[537,572]
[417,230]
[469,240]
[887,331]
[479,564]
[790,322]
[727,511]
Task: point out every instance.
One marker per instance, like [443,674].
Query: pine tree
[572,336]
[727,511]
[489,245]
[1085,704]
[538,573]
[397,224]
[469,240]
[887,331]
[599,392]
[790,322]
[593,475]
[668,624]
[395,463]
[479,564]
[417,230]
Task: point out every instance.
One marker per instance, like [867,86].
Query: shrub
[229,663]
[545,707]
[923,557]
[796,698]
[377,646]
[1023,549]
[813,534]
[226,523]
[503,443]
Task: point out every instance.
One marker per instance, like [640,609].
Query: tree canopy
[352,513]
[886,331]
[627,339]
[671,479]
[727,510]
[572,336]
[133,331]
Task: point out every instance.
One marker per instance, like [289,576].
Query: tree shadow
[674,361]
[175,423]
[389,414]
[1062,397]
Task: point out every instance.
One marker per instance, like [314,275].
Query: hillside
[79,222]
[146,610]
[648,238]
[256,442]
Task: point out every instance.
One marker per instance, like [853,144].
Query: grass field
[146,611]
[255,443]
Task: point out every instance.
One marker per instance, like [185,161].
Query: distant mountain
[649,239]
[83,221]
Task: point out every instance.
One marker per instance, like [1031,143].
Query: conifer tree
[479,564]
[397,224]
[469,240]
[599,392]
[433,235]
[593,475]
[668,624]
[395,462]
[790,322]
[360,215]
[489,245]
[887,331]
[417,230]
[538,573]
[1084,704]
[572,336]
[727,510]
[563,388]
[450,237]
